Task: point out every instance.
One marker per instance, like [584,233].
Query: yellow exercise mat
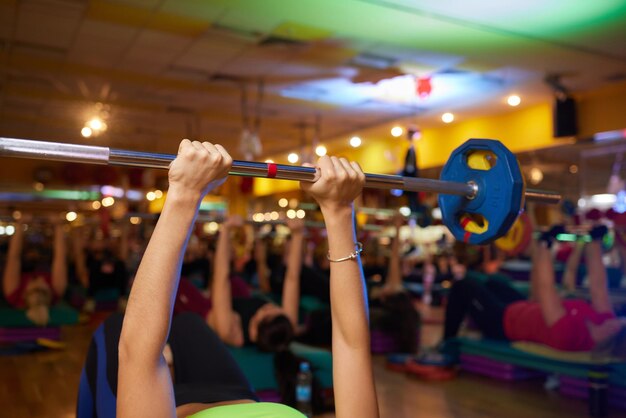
[56,345]
[581,357]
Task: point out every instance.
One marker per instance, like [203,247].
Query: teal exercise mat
[60,314]
[532,356]
[258,366]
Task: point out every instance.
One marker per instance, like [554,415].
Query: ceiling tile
[210,52]
[201,9]
[48,23]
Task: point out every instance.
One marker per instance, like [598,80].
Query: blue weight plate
[500,196]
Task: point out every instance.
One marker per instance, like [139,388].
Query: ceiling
[160,70]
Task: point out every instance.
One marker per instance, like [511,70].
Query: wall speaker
[565,122]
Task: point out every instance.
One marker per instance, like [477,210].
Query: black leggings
[484,301]
[204,370]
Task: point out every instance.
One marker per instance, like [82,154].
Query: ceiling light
[211,227]
[536,175]
[447,117]
[71,216]
[300,214]
[96,204]
[135,220]
[9,230]
[274,216]
[158,194]
[108,201]
[513,100]
[291,214]
[355,142]
[573,169]
[283,202]
[86,132]
[396,131]
[321,150]
[293,158]
[95,124]
[150,196]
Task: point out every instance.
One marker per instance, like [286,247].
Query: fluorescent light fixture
[373,61]
[609,135]
[603,199]
[405,211]
[112,191]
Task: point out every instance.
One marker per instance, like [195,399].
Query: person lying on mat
[256,320]
[100,267]
[144,383]
[502,313]
[28,282]
[237,317]
[391,298]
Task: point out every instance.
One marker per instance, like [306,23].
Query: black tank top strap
[246,308]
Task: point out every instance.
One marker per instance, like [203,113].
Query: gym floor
[45,384]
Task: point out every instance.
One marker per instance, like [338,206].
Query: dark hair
[402,320]
[275,334]
[471,256]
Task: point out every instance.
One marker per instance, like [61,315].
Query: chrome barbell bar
[91,154]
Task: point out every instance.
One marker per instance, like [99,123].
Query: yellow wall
[602,110]
[372,157]
[520,130]
[523,130]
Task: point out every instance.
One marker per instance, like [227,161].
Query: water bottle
[304,389]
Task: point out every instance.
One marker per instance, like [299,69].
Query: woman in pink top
[572,325]
[28,286]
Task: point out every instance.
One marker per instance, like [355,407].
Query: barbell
[481,189]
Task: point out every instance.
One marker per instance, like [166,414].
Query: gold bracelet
[358,247]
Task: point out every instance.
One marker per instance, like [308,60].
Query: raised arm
[543,283]
[144,381]
[340,182]
[78,248]
[571,267]
[291,286]
[59,261]
[260,256]
[393,280]
[13,266]
[222,319]
[598,285]
[394,274]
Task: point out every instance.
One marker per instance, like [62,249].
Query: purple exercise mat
[13,335]
[577,388]
[269,395]
[496,369]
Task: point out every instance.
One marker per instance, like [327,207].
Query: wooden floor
[44,384]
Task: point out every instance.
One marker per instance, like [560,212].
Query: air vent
[274,40]
[615,78]
[378,62]
[241,34]
[226,77]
